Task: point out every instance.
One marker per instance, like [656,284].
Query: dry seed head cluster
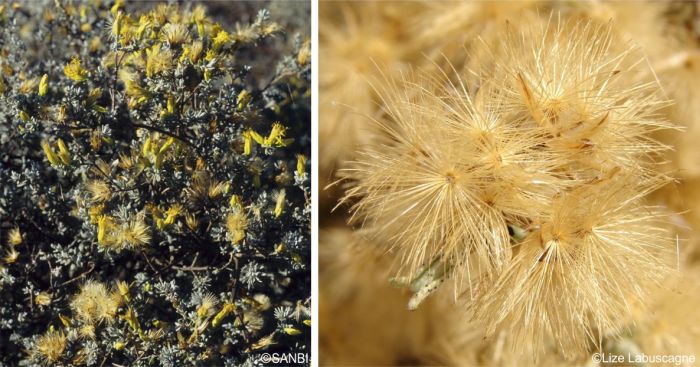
[148,183]
[95,304]
[524,181]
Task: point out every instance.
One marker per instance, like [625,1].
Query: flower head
[523,180]
[14,237]
[74,70]
[44,85]
[222,39]
[452,174]
[157,60]
[134,232]
[50,346]
[236,225]
[590,260]
[99,190]
[175,33]
[206,306]
[94,304]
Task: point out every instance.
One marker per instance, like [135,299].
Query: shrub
[155,201]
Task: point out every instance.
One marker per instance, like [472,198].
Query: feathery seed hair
[524,183]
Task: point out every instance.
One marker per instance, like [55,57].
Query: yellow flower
[104,223]
[171,105]
[269,29]
[236,225]
[144,24]
[217,188]
[195,51]
[61,113]
[247,142]
[209,56]
[87,331]
[146,149]
[118,4]
[172,213]
[276,134]
[235,201]
[208,302]
[50,154]
[42,299]
[276,137]
[44,85]
[243,99]
[225,311]
[24,115]
[28,86]
[205,188]
[74,71]
[66,321]
[123,289]
[130,318]
[304,55]
[221,39]
[291,331]
[63,152]
[134,232]
[301,164]
[192,221]
[15,237]
[279,197]
[157,60]
[199,16]
[95,212]
[11,256]
[175,34]
[131,85]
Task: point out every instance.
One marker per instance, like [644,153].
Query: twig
[153,128]
[83,274]
[148,261]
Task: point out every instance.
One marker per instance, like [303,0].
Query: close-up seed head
[50,346]
[94,304]
[516,181]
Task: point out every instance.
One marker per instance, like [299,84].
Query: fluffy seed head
[582,267]
[525,177]
[51,346]
[587,100]
[352,40]
[157,60]
[452,173]
[236,225]
[206,305]
[14,238]
[99,191]
[94,304]
[175,33]
[134,232]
